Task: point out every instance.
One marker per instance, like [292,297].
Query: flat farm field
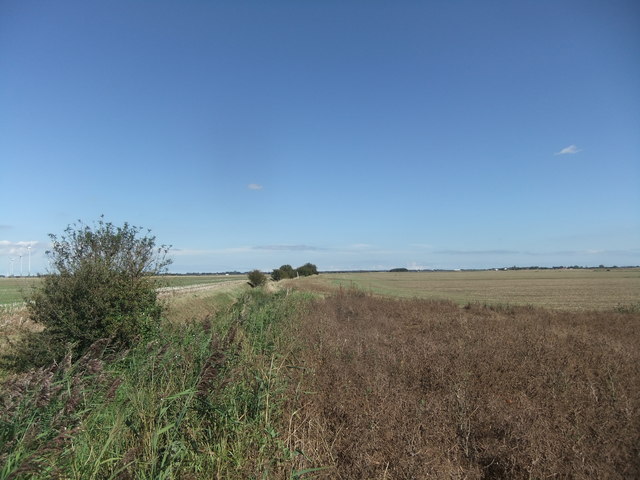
[12,289]
[579,289]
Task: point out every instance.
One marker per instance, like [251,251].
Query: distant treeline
[570,267]
[287,271]
[315,271]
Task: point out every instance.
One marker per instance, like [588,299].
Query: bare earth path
[217,287]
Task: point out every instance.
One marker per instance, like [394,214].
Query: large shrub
[276,275]
[101,284]
[285,271]
[257,278]
[307,269]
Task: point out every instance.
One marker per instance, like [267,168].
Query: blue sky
[352,134]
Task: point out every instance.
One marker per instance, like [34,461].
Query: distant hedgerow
[307,269]
[287,271]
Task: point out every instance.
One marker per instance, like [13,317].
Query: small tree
[307,269]
[257,278]
[276,275]
[285,271]
[102,285]
[288,271]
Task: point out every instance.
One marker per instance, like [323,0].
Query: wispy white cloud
[254,186]
[287,248]
[420,245]
[556,253]
[17,248]
[360,246]
[476,252]
[570,150]
[188,252]
[594,251]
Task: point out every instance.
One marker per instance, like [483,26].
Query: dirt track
[220,286]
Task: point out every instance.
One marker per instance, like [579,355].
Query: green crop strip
[201,400]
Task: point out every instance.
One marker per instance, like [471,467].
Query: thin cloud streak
[18,248]
[288,248]
[254,186]
[360,246]
[570,150]
[591,251]
[421,245]
[187,252]
[476,252]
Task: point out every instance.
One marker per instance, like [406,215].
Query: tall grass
[197,400]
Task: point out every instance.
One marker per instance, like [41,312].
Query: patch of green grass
[12,289]
[197,400]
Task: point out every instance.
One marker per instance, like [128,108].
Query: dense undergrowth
[196,400]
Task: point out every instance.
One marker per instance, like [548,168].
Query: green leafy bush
[257,278]
[307,269]
[102,285]
[285,271]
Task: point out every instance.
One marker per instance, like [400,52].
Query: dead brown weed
[426,389]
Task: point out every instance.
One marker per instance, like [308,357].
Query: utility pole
[29,250]
[20,265]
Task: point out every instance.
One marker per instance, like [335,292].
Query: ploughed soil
[404,389]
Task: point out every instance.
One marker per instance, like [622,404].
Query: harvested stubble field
[410,388]
[580,289]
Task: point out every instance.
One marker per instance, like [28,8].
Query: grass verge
[196,400]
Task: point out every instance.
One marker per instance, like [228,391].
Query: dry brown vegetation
[14,323]
[426,389]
